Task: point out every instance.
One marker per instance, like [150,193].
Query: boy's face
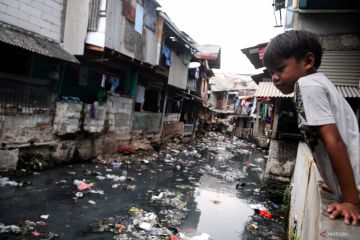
[287,72]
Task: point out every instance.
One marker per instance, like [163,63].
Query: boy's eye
[280,69]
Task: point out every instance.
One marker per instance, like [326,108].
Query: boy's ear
[309,60]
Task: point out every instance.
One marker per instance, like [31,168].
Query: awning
[349,92]
[268,89]
[34,42]
[255,54]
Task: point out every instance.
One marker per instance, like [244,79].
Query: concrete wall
[9,159]
[18,129]
[119,114]
[324,24]
[341,42]
[42,17]
[307,217]
[172,117]
[67,118]
[94,121]
[76,23]
[149,122]
[281,162]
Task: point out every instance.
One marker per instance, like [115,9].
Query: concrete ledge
[307,217]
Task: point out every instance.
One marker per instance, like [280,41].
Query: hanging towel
[103,80]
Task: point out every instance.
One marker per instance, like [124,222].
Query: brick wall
[172,129]
[40,16]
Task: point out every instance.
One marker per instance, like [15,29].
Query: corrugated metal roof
[349,92]
[34,42]
[207,51]
[212,53]
[182,35]
[341,67]
[268,89]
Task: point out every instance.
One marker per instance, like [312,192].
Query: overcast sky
[232,24]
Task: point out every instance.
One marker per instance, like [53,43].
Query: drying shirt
[319,103]
[140,94]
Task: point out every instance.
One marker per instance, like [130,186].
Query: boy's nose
[275,77]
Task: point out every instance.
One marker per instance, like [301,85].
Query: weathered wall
[149,122]
[178,72]
[188,129]
[64,150]
[172,129]
[42,17]
[21,129]
[172,117]
[119,113]
[324,24]
[76,24]
[67,118]
[341,42]
[94,121]
[281,162]
[307,217]
[122,37]
[9,159]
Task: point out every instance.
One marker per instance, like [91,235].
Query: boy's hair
[292,43]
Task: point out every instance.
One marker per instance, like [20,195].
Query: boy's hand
[347,210]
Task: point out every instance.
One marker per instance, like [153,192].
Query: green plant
[286,199]
[293,236]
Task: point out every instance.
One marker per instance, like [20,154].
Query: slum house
[177,51]
[195,111]
[95,108]
[144,59]
[227,95]
[117,44]
[337,24]
[31,68]
[274,113]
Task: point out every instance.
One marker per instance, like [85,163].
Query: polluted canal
[206,189]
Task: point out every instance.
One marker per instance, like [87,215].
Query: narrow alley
[208,189]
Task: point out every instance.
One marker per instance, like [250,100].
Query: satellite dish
[194,65]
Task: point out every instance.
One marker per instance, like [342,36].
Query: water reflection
[217,210]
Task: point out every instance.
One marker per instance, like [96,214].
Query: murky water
[206,173]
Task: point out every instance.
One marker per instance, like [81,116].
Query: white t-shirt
[319,103]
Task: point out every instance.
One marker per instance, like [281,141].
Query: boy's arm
[336,148]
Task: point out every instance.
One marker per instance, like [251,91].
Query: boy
[326,119]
